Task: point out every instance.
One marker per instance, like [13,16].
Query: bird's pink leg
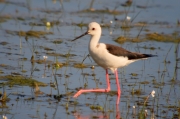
[96,90]
[118,116]
[118,87]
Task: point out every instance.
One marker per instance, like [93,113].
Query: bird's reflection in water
[99,115]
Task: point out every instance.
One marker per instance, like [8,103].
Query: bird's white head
[94,29]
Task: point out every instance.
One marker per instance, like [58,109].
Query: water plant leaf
[30,33]
[80,65]
[20,80]
[120,39]
[4,43]
[162,37]
[96,107]
[58,41]
[104,11]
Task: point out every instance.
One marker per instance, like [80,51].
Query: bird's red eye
[93,29]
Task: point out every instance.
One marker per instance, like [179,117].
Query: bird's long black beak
[80,36]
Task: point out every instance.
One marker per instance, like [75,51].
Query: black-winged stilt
[109,57]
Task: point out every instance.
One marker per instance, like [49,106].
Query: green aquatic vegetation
[121,39]
[147,47]
[142,114]
[136,92]
[54,54]
[104,11]
[58,65]
[30,33]
[162,37]
[134,74]
[50,11]
[37,33]
[48,49]
[58,41]
[20,18]
[136,40]
[140,24]
[126,27]
[112,93]
[1,72]
[81,25]
[128,3]
[80,65]
[144,82]
[174,37]
[3,65]
[44,23]
[36,24]
[96,107]
[4,18]
[20,80]
[59,54]
[4,98]
[23,71]
[41,61]
[23,59]
[68,55]
[4,43]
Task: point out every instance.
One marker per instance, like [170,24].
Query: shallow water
[137,80]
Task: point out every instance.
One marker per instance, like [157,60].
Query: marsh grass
[162,37]
[56,80]
[20,80]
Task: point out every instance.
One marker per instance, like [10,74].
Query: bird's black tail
[149,55]
[136,56]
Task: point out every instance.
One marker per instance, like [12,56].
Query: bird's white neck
[93,43]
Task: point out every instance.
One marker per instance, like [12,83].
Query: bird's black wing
[118,51]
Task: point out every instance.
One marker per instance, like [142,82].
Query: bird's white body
[103,58]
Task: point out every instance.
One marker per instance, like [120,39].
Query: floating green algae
[163,37]
[59,54]
[80,65]
[174,37]
[48,49]
[122,39]
[41,61]
[4,43]
[4,18]
[104,11]
[144,82]
[81,24]
[1,72]
[58,65]
[20,80]
[134,74]
[30,33]
[96,107]
[58,41]
[136,92]
[112,93]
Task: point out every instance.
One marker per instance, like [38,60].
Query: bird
[109,57]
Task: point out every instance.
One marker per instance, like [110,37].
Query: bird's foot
[77,94]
